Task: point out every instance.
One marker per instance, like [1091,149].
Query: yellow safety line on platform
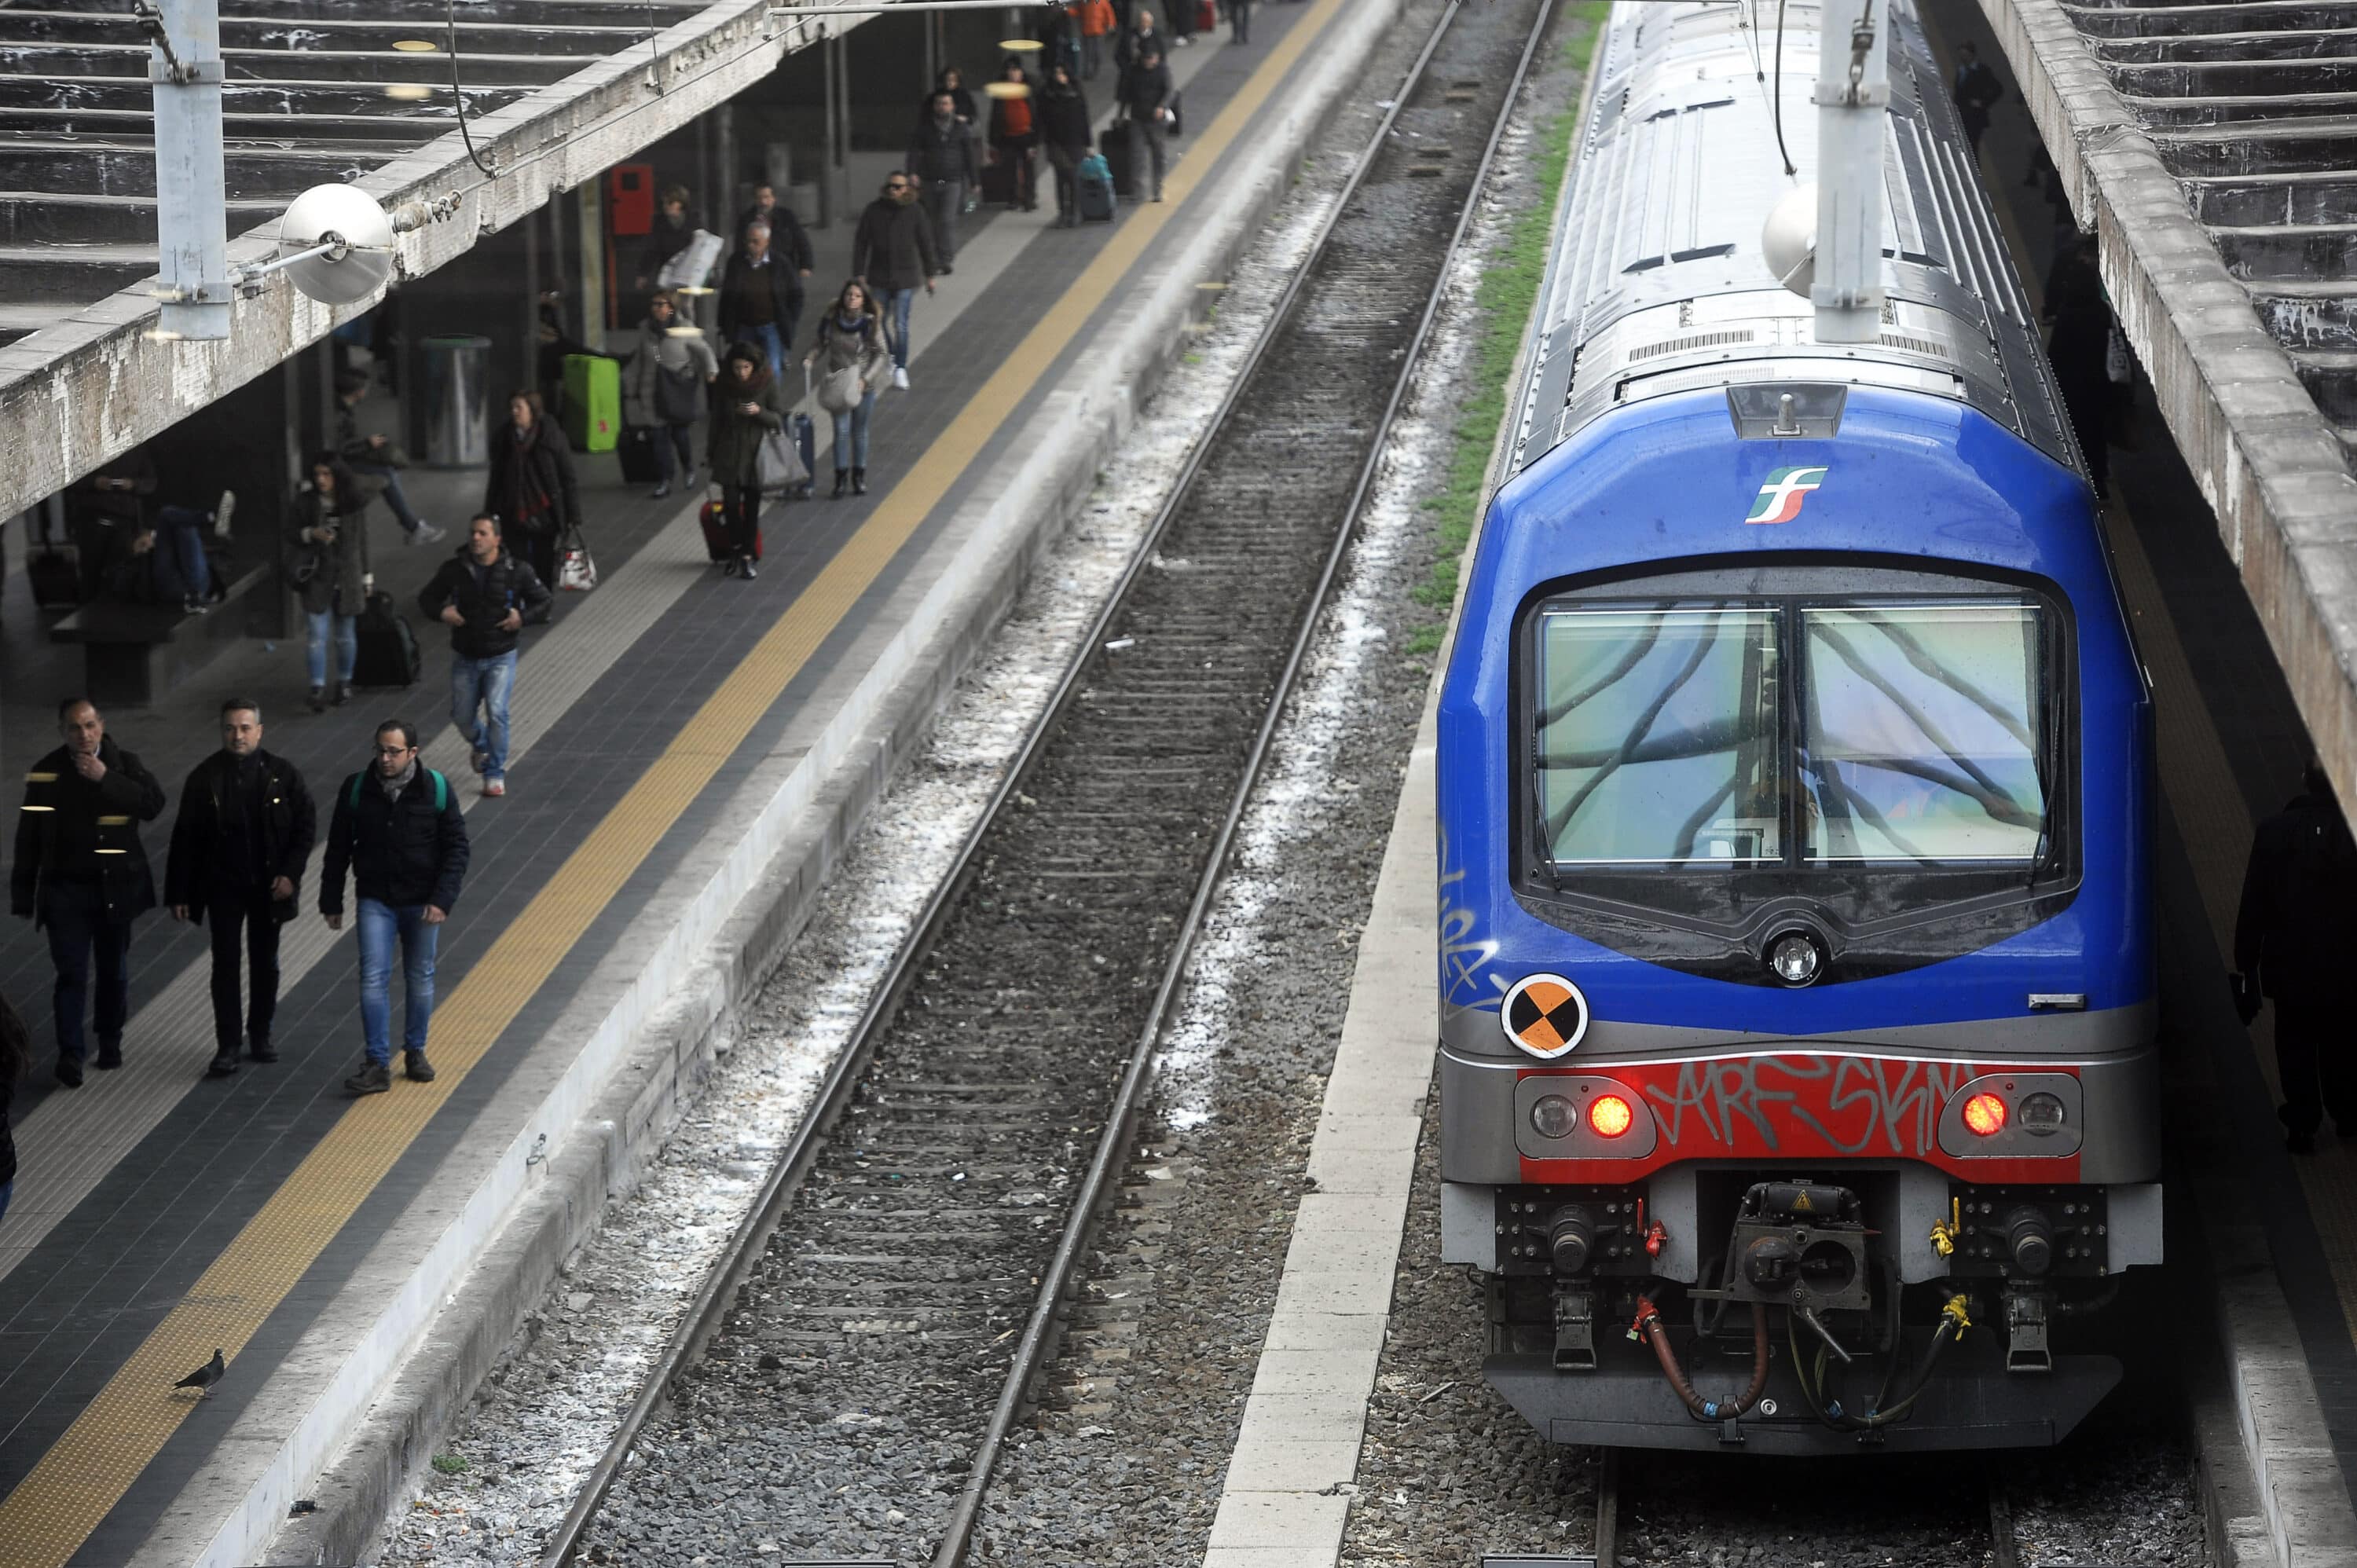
[73,1486]
[2214,822]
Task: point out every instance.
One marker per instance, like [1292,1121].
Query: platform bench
[133,654]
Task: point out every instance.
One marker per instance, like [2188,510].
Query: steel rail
[1113,1145]
[707,1313]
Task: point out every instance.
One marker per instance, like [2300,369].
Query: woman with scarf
[745,408]
[532,489]
[854,358]
[1063,122]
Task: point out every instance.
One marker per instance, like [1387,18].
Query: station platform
[690,753]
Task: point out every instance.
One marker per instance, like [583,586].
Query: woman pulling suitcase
[1064,131]
[745,409]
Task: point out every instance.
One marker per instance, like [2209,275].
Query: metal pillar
[1853,104]
[191,203]
[724,135]
[530,304]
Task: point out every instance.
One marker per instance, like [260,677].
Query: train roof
[1656,283]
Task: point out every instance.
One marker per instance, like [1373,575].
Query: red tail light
[1985,1115]
[1609,1116]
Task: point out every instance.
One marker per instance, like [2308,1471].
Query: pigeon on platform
[204,1376]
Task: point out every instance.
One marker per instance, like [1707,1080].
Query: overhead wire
[458,96]
[1778,106]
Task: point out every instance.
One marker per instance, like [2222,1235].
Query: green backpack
[441,790]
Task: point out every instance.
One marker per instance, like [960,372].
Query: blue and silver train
[1796,798]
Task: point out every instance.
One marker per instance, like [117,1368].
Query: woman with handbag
[745,412]
[854,358]
[328,538]
[1014,132]
[532,489]
[663,389]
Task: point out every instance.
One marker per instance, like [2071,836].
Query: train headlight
[1610,1116]
[2041,1113]
[1985,1115]
[1554,1117]
[1795,957]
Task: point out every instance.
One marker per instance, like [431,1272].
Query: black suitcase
[806,441]
[1113,143]
[55,574]
[387,655]
[998,182]
[636,447]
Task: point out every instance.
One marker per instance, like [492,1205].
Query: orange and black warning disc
[1544,1014]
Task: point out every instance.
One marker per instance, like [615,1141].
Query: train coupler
[1574,1327]
[2027,1310]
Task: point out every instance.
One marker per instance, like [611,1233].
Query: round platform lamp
[693,295]
[115,836]
[38,778]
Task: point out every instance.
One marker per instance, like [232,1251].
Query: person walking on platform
[240,841]
[1063,121]
[1240,21]
[485,596]
[663,390]
[1141,35]
[761,297]
[1096,22]
[674,232]
[745,409]
[892,253]
[853,356]
[15,1056]
[789,241]
[1976,90]
[372,458]
[532,489]
[951,81]
[1015,133]
[398,831]
[329,544]
[82,875]
[1145,96]
[2294,933]
[941,156]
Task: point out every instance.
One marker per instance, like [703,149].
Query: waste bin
[457,401]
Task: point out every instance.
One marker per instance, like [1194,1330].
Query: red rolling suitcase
[715,534]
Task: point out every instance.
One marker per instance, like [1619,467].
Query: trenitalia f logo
[1779,498]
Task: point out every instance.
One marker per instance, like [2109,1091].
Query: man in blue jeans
[485,596]
[398,830]
[893,254]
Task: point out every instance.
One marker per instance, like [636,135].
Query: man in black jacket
[760,298]
[789,241]
[940,155]
[244,831]
[398,830]
[2293,937]
[892,253]
[1146,92]
[81,873]
[484,595]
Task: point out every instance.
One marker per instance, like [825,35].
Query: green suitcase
[593,401]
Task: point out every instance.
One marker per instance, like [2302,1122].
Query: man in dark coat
[789,241]
[485,596]
[1146,92]
[760,297]
[532,489]
[672,231]
[239,846]
[2293,937]
[940,155]
[398,830]
[1136,36]
[892,253]
[1974,90]
[81,873]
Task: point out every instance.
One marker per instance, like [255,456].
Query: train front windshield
[1793,732]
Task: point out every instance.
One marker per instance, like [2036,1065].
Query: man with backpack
[485,596]
[398,830]
[2293,936]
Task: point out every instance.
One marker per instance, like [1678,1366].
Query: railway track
[915,1251]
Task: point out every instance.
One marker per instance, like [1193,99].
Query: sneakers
[260,1051]
[224,1064]
[110,1055]
[427,533]
[747,570]
[70,1071]
[900,378]
[479,760]
[374,1078]
[660,490]
[223,511]
[729,567]
[415,1067]
[495,788]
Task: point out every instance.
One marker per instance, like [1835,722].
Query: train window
[1918,733]
[1659,734]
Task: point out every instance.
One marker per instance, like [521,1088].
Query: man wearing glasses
[894,255]
[398,828]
